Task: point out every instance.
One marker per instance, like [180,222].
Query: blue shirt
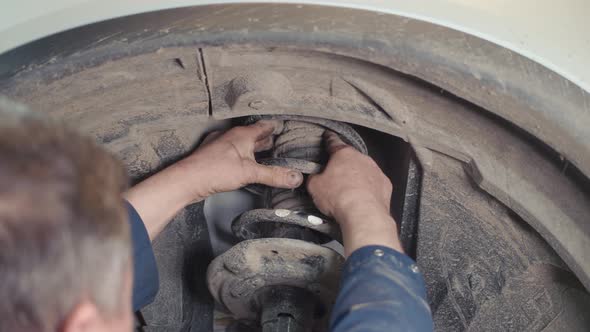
[381,289]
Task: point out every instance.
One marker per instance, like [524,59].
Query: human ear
[83,318]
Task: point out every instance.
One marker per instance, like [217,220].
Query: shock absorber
[281,274]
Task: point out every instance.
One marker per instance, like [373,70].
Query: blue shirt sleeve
[145,271]
[381,290]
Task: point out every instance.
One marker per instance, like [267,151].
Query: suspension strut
[281,274]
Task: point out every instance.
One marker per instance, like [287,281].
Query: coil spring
[291,213]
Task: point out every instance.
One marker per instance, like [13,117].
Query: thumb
[333,142]
[276,176]
[211,137]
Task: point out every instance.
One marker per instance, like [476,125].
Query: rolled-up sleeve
[381,290]
[145,271]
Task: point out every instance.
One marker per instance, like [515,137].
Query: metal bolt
[378,252]
[257,104]
[414,268]
[282,212]
[314,220]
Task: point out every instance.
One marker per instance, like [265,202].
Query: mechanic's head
[65,257]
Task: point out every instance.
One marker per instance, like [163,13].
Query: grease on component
[280,274]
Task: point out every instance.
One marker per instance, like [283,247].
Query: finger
[333,142]
[264,144]
[275,176]
[310,185]
[212,136]
[260,130]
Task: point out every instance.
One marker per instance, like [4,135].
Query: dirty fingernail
[295,178]
[278,126]
[329,133]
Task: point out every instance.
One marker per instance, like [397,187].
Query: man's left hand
[226,161]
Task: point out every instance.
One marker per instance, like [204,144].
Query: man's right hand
[354,191]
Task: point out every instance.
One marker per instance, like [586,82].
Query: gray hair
[63,234]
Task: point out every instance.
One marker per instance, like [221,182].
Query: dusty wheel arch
[509,85]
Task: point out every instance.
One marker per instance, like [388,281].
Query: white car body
[551,33]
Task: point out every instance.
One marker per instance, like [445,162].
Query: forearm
[381,290]
[368,225]
[145,270]
[160,197]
